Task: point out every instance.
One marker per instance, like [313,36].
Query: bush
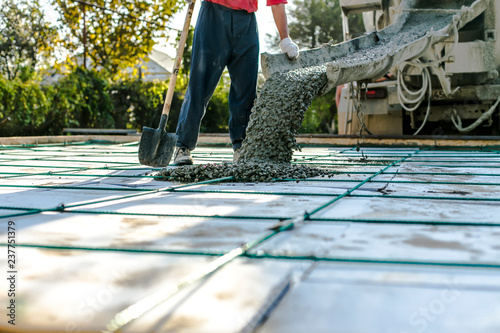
[79,100]
[23,107]
[137,104]
[83,100]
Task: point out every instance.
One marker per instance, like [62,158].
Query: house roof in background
[161,69]
[162,59]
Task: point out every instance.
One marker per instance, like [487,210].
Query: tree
[26,39]
[117,33]
[316,22]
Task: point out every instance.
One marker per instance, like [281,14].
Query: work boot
[183,157]
[236,155]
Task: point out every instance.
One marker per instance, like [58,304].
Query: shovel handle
[178,59]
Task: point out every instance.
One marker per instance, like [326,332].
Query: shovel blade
[156,147]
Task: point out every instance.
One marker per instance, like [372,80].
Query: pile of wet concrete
[242,172]
[270,142]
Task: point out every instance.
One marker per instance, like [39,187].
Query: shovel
[157,146]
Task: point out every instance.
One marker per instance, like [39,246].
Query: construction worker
[225,35]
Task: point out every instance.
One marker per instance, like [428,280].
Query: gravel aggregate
[242,172]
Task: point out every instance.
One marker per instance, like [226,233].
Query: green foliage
[119,37]
[316,22]
[83,99]
[26,38]
[16,98]
[79,100]
[137,104]
[318,118]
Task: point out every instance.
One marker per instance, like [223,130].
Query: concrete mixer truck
[423,67]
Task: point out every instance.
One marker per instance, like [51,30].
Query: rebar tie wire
[258,193]
[348,192]
[138,309]
[63,208]
[144,305]
[335,220]
[141,307]
[206,253]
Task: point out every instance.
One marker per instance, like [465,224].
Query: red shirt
[248,5]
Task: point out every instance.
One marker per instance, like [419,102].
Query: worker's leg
[243,69]
[210,52]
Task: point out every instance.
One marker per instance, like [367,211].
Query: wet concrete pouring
[267,151]
[278,113]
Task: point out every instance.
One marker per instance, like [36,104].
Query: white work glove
[289,47]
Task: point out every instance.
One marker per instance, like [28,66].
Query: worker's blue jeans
[222,37]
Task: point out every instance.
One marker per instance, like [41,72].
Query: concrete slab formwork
[398,240]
